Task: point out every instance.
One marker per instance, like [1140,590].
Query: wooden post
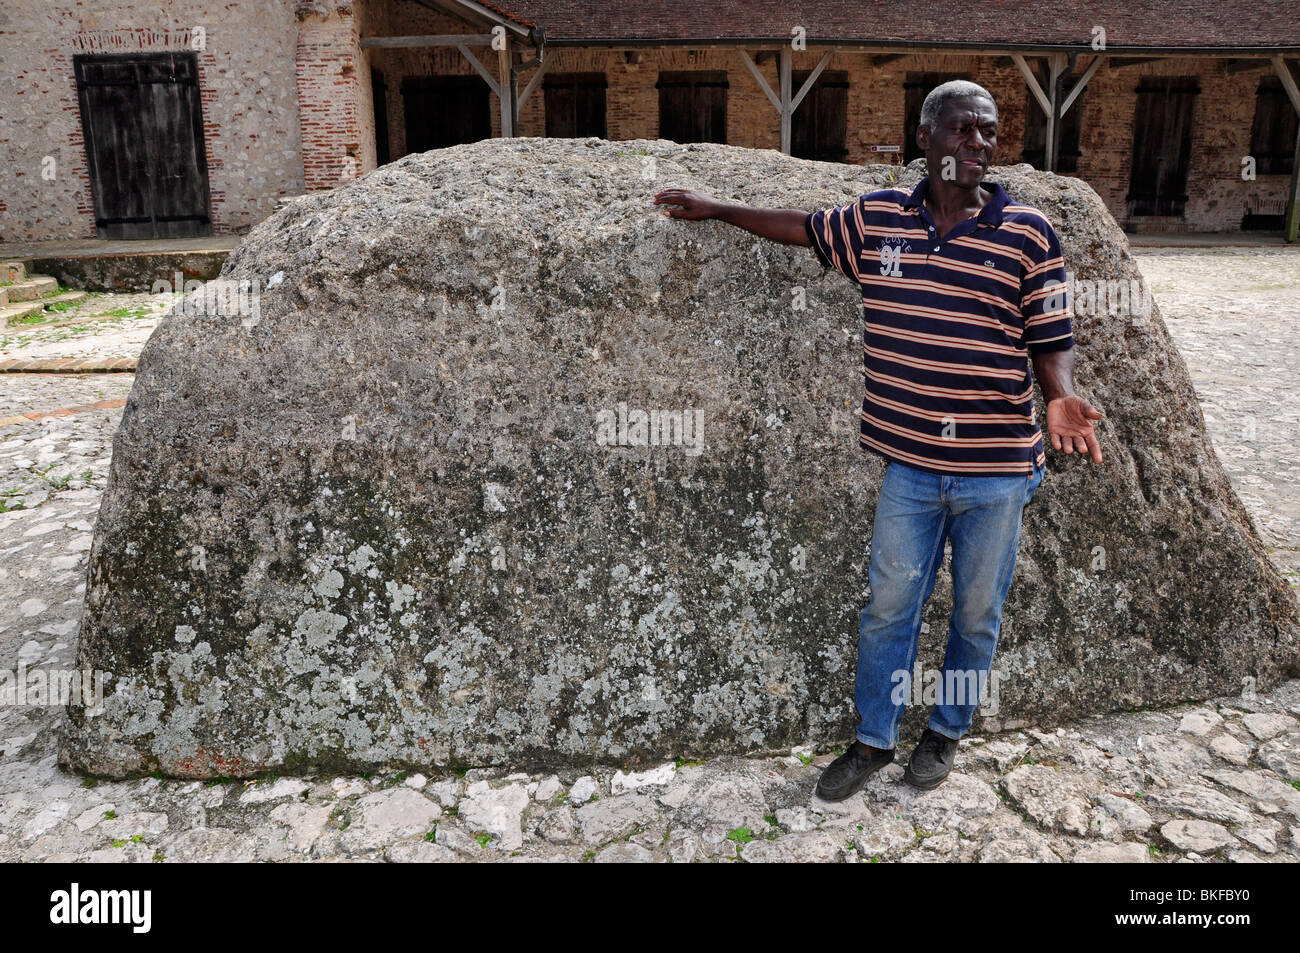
[786,111]
[785,103]
[505,91]
[1292,227]
[1057,66]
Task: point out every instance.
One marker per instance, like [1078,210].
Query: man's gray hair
[953,89]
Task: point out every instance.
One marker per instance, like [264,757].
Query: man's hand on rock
[1069,421]
[694,205]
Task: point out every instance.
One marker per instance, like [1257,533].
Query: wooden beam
[812,78]
[783,101]
[1078,87]
[912,49]
[1057,62]
[479,67]
[1288,82]
[1032,82]
[1292,226]
[759,78]
[532,83]
[447,39]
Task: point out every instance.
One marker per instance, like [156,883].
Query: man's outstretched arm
[784,225]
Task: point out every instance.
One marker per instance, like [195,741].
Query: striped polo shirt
[949,324]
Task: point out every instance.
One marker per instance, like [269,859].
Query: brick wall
[1222,120]
[1221,127]
[334,96]
[287,104]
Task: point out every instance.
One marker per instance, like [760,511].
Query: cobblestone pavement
[1208,781]
[103,326]
[1234,314]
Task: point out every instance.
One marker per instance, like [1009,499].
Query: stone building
[131,119]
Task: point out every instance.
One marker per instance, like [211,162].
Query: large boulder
[401,509]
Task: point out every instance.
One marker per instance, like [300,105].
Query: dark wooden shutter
[916,87]
[711,109]
[1273,132]
[445,111]
[575,105]
[1162,145]
[561,113]
[819,127]
[693,106]
[142,121]
[676,110]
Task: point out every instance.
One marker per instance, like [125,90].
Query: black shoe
[846,775]
[931,760]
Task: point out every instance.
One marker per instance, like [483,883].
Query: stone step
[31,288]
[10,313]
[14,270]
[68,297]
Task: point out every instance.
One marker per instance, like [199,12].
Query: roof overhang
[483,15]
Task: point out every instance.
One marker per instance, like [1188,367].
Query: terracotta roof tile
[1129,24]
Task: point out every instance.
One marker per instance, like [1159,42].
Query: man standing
[961,288]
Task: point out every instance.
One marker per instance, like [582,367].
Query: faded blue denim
[917,511]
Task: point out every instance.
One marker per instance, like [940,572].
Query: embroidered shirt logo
[891,256]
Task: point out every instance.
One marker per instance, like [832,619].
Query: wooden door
[693,105]
[575,105]
[819,127]
[143,126]
[1162,145]
[445,111]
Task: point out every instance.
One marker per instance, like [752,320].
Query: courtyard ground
[1207,781]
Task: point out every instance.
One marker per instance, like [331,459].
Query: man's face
[966,130]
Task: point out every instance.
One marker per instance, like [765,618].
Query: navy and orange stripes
[949,324]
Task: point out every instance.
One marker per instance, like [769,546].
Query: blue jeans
[917,511]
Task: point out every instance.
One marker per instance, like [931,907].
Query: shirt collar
[990,214]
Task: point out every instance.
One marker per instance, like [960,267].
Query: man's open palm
[1069,421]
